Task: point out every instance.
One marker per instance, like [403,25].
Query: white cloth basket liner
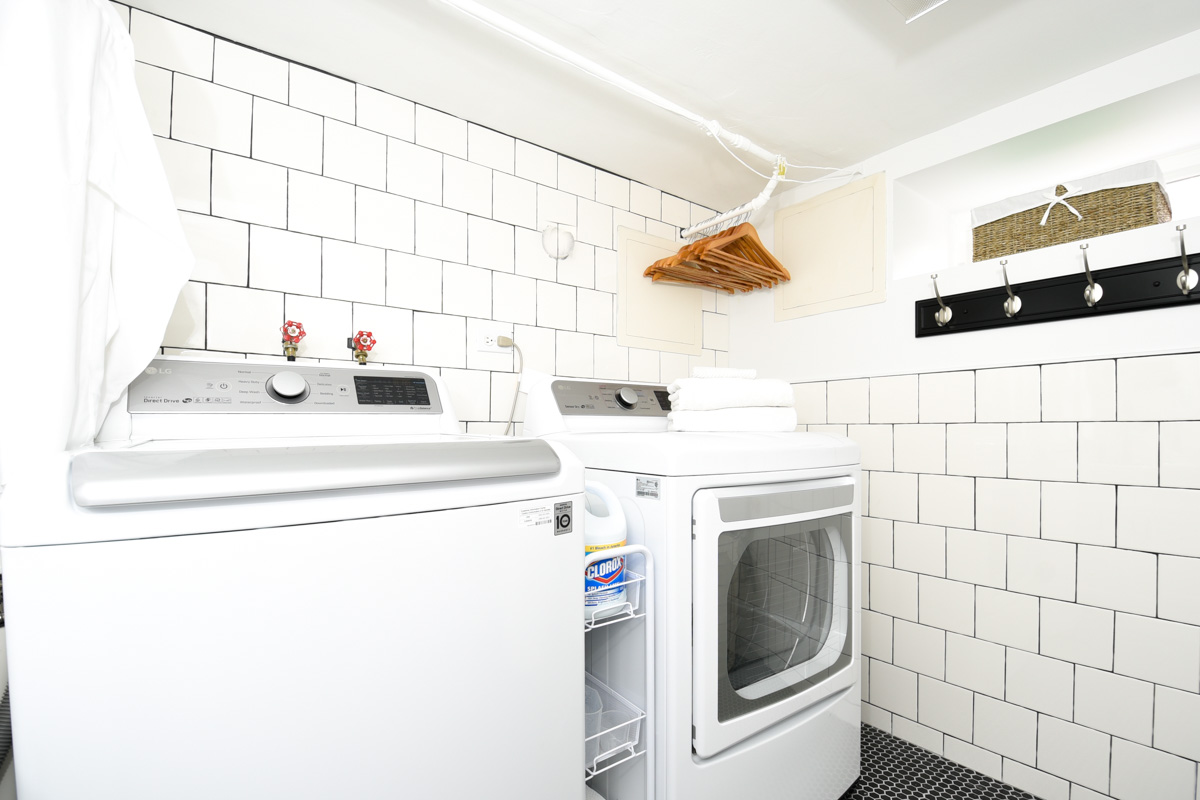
[1134,175]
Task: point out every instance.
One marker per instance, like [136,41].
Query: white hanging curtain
[92,254]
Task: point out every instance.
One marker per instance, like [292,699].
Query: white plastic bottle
[603,581]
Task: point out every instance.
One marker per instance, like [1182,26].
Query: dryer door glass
[783,624]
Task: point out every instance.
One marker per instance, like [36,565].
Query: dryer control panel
[211,387]
[597,399]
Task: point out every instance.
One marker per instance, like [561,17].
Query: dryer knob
[287,387]
[626,397]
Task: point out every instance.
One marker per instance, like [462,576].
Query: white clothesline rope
[724,137]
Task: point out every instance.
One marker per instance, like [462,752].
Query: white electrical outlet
[483,335]
[486,342]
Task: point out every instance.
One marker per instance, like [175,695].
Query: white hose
[512,412]
[733,213]
[553,49]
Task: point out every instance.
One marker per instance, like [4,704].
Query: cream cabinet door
[835,247]
[654,316]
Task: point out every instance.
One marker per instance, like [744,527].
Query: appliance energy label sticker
[535,517]
[563,521]
[647,487]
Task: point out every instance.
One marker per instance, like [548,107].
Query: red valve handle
[364,340]
[292,332]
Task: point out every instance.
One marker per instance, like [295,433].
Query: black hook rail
[1133,287]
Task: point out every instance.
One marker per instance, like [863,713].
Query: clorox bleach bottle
[603,581]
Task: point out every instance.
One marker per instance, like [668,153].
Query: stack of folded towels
[719,399]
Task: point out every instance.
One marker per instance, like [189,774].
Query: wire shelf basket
[630,608]
[614,730]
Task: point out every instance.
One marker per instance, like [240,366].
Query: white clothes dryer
[295,581]
[756,542]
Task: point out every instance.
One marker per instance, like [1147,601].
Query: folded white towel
[705,394]
[723,372]
[734,420]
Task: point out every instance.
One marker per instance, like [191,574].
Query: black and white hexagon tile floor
[893,769]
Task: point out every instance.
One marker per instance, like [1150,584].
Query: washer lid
[678,454]
[133,476]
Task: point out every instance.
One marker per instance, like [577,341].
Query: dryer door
[773,622]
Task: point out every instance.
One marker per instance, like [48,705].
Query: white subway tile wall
[189,174]
[206,114]
[154,86]
[164,43]
[310,197]
[1038,783]
[919,648]
[1114,704]
[972,757]
[979,450]
[221,248]
[1142,773]
[251,71]
[921,735]
[1033,560]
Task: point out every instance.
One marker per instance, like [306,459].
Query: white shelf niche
[931,223]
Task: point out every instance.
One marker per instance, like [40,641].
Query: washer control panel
[603,399]
[206,387]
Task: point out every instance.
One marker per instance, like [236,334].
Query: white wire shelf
[617,731]
[628,734]
[631,608]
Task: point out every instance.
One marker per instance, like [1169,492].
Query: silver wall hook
[1094,291]
[943,314]
[1013,304]
[1188,277]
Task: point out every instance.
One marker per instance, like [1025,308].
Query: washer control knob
[287,387]
[626,397]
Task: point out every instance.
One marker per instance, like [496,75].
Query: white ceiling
[826,82]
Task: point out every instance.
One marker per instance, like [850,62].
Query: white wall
[308,197]
[878,340]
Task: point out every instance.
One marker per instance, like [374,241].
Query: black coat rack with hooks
[1161,283]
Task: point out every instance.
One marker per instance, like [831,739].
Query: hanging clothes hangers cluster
[732,260]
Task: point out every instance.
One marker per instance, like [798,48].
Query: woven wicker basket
[1104,211]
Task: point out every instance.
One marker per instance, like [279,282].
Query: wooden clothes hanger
[733,260]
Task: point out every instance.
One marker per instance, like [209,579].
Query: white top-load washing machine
[755,538]
[294,581]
